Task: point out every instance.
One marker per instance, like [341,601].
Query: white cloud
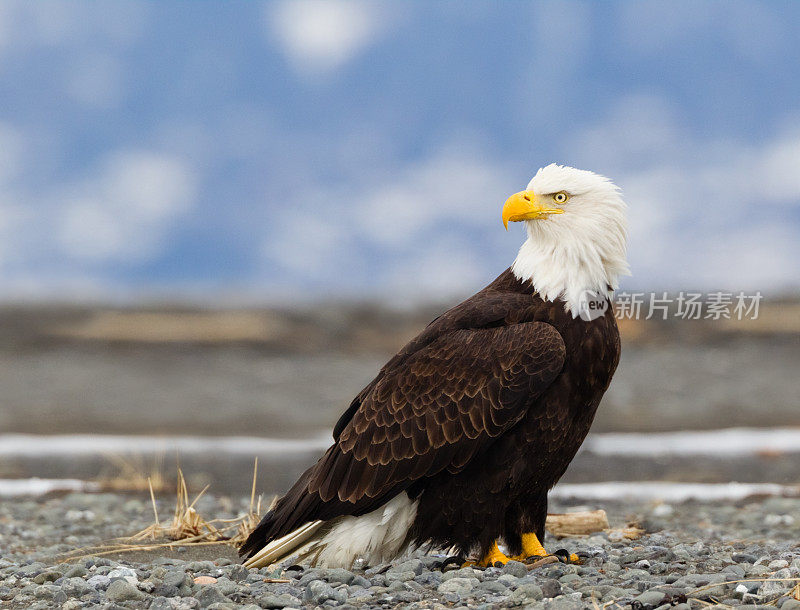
[452,185]
[759,255]
[780,168]
[703,214]
[305,241]
[322,35]
[124,213]
[448,267]
[425,218]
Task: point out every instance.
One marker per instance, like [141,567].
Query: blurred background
[217,220]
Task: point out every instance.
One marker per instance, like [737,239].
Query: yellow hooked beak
[525,206]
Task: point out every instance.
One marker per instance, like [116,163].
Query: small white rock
[663,510]
[773,520]
[125,573]
[80,515]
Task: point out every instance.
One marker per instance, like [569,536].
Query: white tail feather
[284,546]
[377,536]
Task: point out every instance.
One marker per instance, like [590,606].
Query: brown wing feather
[441,400]
[463,389]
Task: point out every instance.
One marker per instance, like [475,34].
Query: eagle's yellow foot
[531,547]
[493,556]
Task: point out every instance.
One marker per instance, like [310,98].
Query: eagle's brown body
[476,418]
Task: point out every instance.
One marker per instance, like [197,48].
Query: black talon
[563,555]
[456,559]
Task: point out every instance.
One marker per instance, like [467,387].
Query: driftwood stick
[567,524]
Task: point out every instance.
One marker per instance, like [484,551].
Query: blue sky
[282,150]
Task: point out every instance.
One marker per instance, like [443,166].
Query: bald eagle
[461,435]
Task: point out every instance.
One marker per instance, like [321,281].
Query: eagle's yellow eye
[560,197]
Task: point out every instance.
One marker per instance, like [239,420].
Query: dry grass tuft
[186,527]
[186,521]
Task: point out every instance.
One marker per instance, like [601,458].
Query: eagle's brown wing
[436,411]
[441,400]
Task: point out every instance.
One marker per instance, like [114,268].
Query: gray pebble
[735,570]
[395,576]
[466,572]
[526,593]
[160,603]
[31,569]
[226,585]
[76,570]
[319,591]
[406,597]
[361,581]
[570,579]
[508,580]
[565,603]
[59,598]
[99,581]
[75,587]
[458,586]
[278,601]
[493,586]
[45,591]
[651,599]
[339,575]
[515,568]
[206,567]
[414,565]
[550,587]
[123,591]
[757,570]
[48,576]
[210,594]
[311,574]
[239,573]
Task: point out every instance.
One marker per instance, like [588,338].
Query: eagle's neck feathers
[571,265]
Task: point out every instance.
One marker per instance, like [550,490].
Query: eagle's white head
[576,235]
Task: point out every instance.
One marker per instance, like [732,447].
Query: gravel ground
[685,560]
